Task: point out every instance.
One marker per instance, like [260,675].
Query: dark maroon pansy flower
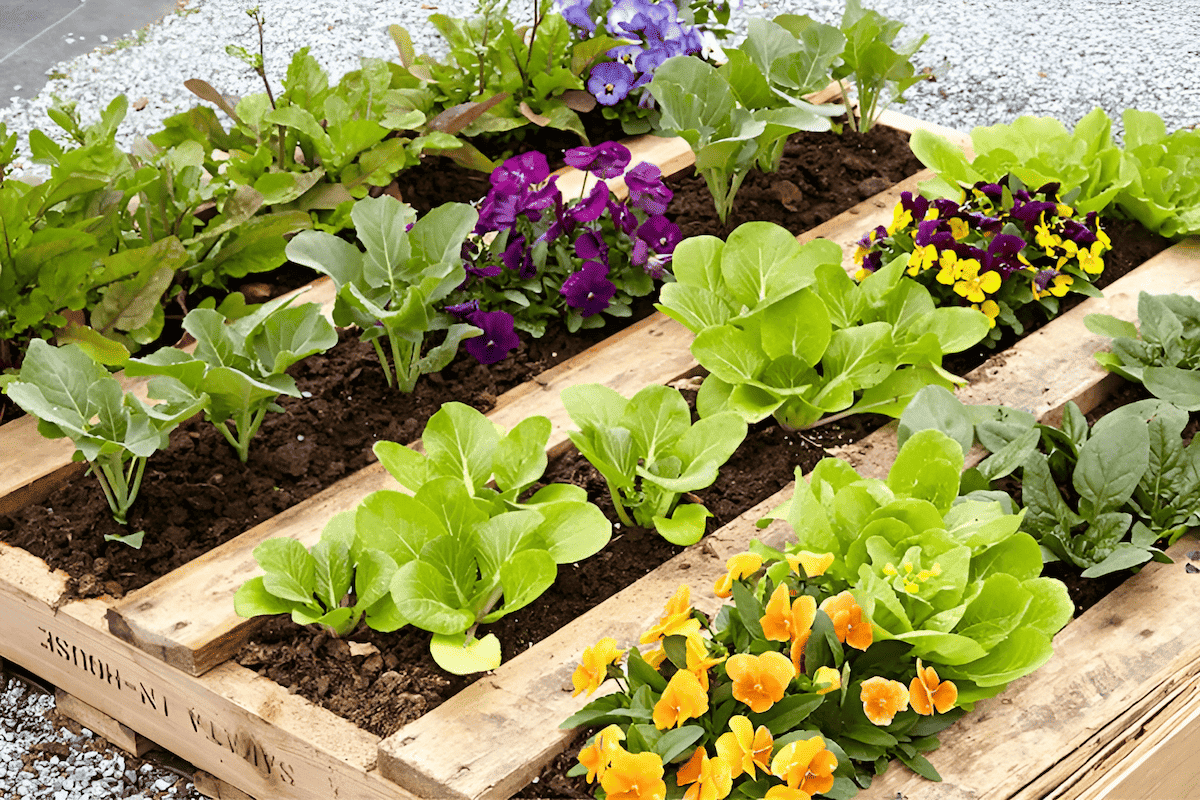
[498,338]
[1001,255]
[872,262]
[1049,190]
[993,190]
[946,207]
[1077,232]
[1030,212]
[462,310]
[606,160]
[519,259]
[984,223]
[589,289]
[917,205]
[499,209]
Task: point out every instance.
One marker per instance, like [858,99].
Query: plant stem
[492,599]
[849,107]
[387,373]
[537,20]
[617,505]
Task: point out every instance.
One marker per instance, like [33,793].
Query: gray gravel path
[994,60]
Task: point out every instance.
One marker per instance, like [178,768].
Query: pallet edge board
[113,731]
[166,627]
[413,757]
[32,467]
[233,723]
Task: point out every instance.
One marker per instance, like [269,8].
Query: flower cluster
[787,652]
[650,33]
[534,257]
[999,248]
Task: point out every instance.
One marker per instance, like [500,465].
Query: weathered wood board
[519,703]
[116,732]
[244,729]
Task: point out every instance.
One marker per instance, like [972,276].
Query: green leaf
[936,408]
[454,654]
[461,442]
[333,573]
[685,526]
[253,600]
[405,464]
[424,597]
[290,570]
[1111,463]
[396,524]
[1175,385]
[520,456]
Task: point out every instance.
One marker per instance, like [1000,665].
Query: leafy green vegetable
[390,291]
[650,454]
[462,546]
[333,585]
[1164,355]
[739,116]
[1037,150]
[952,577]
[1165,194]
[785,332]
[238,368]
[870,60]
[72,396]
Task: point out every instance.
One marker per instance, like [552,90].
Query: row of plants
[203,203]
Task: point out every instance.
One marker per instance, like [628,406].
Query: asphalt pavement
[37,34]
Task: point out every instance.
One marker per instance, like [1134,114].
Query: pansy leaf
[675,743]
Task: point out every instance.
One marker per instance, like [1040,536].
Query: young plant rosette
[1000,248]
[895,611]
[535,257]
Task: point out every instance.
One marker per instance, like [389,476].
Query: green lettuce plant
[784,331]
[650,453]
[1038,151]
[1165,194]
[72,396]
[238,369]
[954,578]
[393,289]
[738,117]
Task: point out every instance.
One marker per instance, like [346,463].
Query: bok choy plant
[650,453]
[391,291]
[238,368]
[73,396]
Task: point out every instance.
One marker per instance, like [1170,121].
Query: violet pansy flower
[661,234]
[606,160]
[579,14]
[590,245]
[591,207]
[519,259]
[589,290]
[498,338]
[523,170]
[647,190]
[610,82]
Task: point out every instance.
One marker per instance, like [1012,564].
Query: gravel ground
[993,60]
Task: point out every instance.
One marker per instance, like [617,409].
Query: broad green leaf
[656,417]
[685,526]
[1111,465]
[572,530]
[456,655]
[520,456]
[396,524]
[373,571]
[290,570]
[461,442]
[936,408]
[1175,385]
[424,597]
[524,577]
[334,571]
[502,537]
[405,464]
[253,600]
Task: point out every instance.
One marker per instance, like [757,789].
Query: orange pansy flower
[634,777]
[676,619]
[883,699]
[848,622]
[781,621]
[739,566]
[655,657]
[698,659]
[805,765]
[926,693]
[780,792]
[710,778]
[597,754]
[797,651]
[592,670]
[814,564]
[745,748]
[759,681]
[683,699]
[830,676]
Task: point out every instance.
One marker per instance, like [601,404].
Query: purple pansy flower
[993,190]
[523,170]
[935,232]
[622,217]
[589,290]
[1001,255]
[917,205]
[462,310]
[661,234]
[579,14]
[1044,278]
[518,258]
[610,82]
[946,207]
[1030,211]
[591,207]
[1080,234]
[591,245]
[498,338]
[626,54]
[606,160]
[647,190]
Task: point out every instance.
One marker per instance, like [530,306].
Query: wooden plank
[521,702]
[32,467]
[1055,363]
[242,728]
[1163,762]
[211,786]
[187,619]
[115,732]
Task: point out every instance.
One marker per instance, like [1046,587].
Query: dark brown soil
[382,691]
[196,494]
[821,175]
